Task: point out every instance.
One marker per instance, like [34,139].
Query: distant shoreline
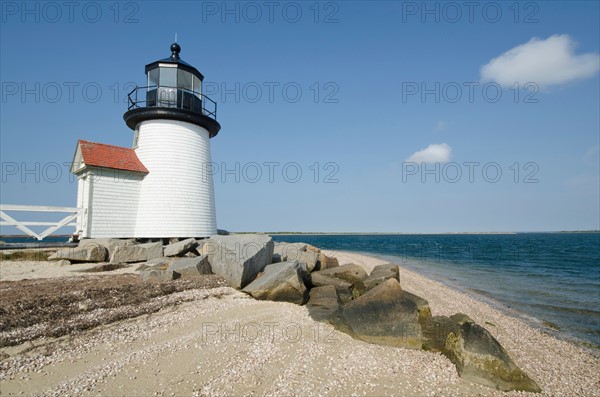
[22,236]
[406,233]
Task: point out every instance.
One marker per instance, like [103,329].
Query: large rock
[137,253]
[313,248]
[435,331]
[191,267]
[198,247]
[280,282]
[180,248]
[381,273]
[109,243]
[154,275]
[238,258]
[423,310]
[382,316]
[283,252]
[356,276]
[310,258]
[162,262]
[327,262]
[351,273]
[344,288]
[480,358]
[90,253]
[461,318]
[346,279]
[437,328]
[323,303]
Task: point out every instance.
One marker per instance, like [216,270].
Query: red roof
[109,156]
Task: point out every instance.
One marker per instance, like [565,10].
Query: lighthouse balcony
[175,103]
[172,97]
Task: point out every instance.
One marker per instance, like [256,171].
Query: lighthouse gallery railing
[172,97]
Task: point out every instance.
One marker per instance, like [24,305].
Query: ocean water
[14,242]
[551,280]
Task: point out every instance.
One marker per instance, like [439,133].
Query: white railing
[7,220]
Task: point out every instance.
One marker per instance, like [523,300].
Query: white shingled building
[161,187]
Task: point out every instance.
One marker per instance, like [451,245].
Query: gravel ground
[220,342]
[32,309]
[30,270]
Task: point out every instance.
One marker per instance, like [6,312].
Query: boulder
[480,358]
[351,273]
[435,331]
[381,273]
[437,328]
[280,282]
[109,243]
[191,267]
[161,262]
[198,248]
[312,248]
[283,252]
[90,253]
[343,288]
[327,262]
[323,303]
[158,275]
[180,248]
[382,316]
[423,310]
[346,279]
[238,258]
[310,258]
[301,252]
[319,280]
[461,318]
[137,253]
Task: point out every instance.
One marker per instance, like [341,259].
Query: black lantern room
[173,91]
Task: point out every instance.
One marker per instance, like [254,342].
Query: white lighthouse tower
[173,123]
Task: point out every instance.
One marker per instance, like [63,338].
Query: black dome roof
[175,59]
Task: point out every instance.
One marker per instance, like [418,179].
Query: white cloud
[434,153]
[440,126]
[544,62]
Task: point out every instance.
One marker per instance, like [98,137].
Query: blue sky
[400,116]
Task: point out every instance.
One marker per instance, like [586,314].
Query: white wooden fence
[69,220]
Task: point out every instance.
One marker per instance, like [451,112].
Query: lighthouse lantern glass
[153,78]
[168,77]
[184,80]
[197,86]
[172,85]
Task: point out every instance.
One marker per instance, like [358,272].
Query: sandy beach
[218,341]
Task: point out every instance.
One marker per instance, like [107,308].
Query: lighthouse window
[168,77]
[197,85]
[153,77]
[136,136]
[184,80]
